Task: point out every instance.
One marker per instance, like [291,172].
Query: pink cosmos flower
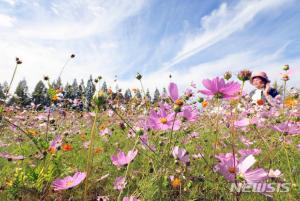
[242,123]
[162,120]
[120,183]
[173,91]
[246,152]
[219,89]
[240,168]
[131,198]
[181,154]
[11,157]
[121,159]
[274,173]
[189,114]
[287,128]
[68,182]
[246,141]
[55,143]
[105,131]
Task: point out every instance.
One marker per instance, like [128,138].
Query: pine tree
[75,90]
[127,95]
[57,84]
[156,95]
[21,94]
[68,91]
[148,96]
[164,93]
[104,87]
[138,94]
[89,92]
[81,89]
[2,95]
[39,95]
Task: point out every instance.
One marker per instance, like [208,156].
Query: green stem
[11,81]
[90,156]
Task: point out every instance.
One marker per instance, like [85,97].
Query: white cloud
[222,23]
[271,63]
[6,20]
[45,34]
[77,19]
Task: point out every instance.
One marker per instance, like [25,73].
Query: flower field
[208,142]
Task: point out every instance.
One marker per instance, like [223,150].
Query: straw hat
[262,75]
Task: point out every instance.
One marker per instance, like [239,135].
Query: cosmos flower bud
[72,56]
[244,75]
[18,61]
[227,75]
[285,77]
[139,132]
[138,76]
[177,108]
[286,67]
[46,78]
[200,100]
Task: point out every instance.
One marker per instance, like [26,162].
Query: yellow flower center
[69,183]
[163,120]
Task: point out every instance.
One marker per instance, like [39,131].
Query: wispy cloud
[220,24]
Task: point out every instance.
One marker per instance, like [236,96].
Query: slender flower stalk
[90,156]
[64,66]
[18,62]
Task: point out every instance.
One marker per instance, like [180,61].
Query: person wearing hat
[263,92]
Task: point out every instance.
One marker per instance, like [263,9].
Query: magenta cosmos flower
[173,91]
[287,128]
[189,114]
[219,89]
[241,168]
[162,120]
[120,183]
[68,182]
[181,154]
[122,159]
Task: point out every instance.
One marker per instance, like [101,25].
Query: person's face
[258,82]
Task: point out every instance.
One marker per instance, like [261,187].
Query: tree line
[79,91]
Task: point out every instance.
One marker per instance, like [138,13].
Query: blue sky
[190,39]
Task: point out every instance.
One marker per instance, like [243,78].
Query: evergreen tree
[164,93]
[81,89]
[89,92]
[68,91]
[127,95]
[57,84]
[39,95]
[104,87]
[156,97]
[21,94]
[75,90]
[148,96]
[138,94]
[2,95]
